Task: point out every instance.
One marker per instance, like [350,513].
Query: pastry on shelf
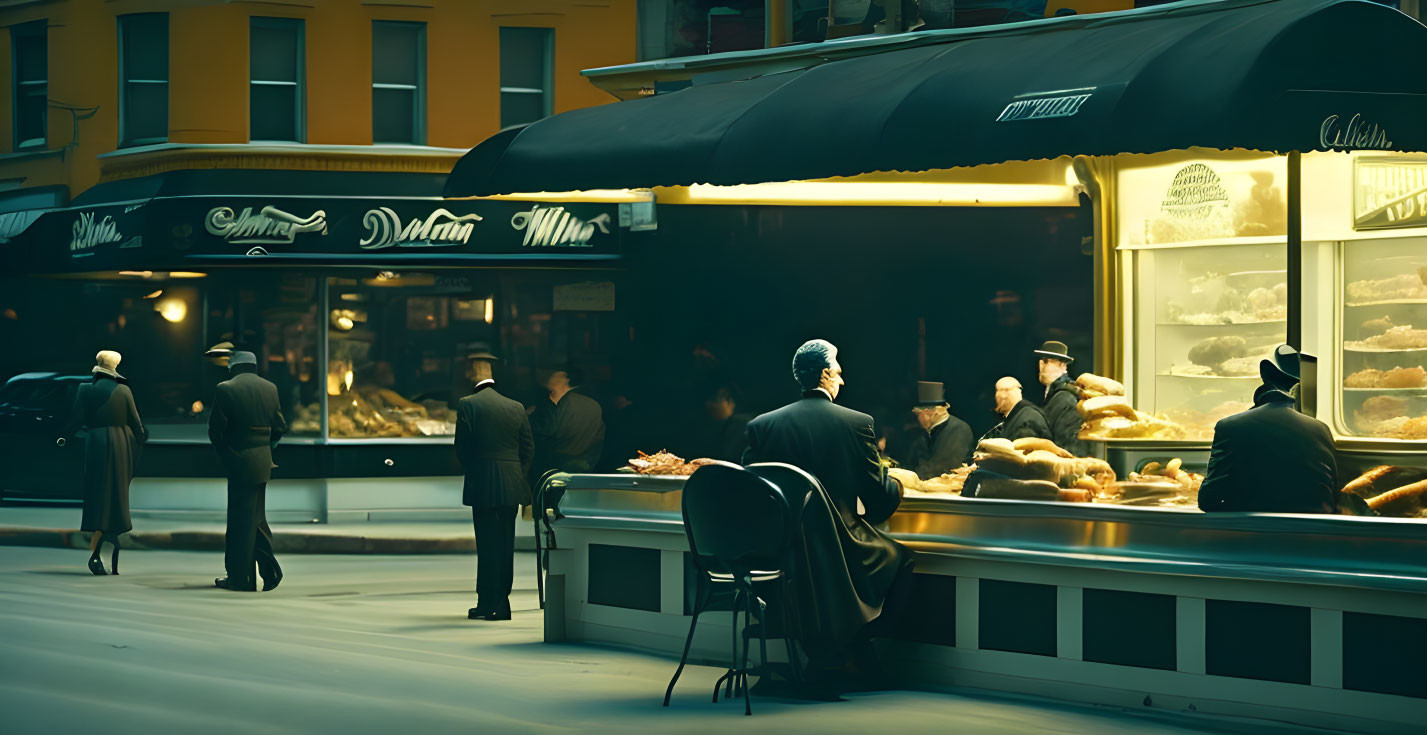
[1401,337]
[664,463]
[1405,286]
[1397,377]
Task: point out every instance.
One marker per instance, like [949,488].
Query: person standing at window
[1061,397]
[495,447]
[104,411]
[245,426]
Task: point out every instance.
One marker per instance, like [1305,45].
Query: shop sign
[546,227]
[270,226]
[1355,133]
[89,232]
[441,228]
[1389,194]
[1197,192]
[1046,105]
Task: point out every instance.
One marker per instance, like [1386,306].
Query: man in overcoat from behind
[495,447]
[245,426]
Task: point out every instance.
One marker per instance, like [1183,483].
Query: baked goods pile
[1227,356]
[1108,415]
[1037,469]
[1397,377]
[1400,337]
[1219,303]
[1389,417]
[1157,484]
[664,463]
[1392,491]
[949,483]
[369,411]
[1405,286]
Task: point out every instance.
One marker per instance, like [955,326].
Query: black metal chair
[738,527]
[544,503]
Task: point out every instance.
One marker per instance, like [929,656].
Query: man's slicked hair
[810,360]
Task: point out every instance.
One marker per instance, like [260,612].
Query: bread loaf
[1098,385]
[1106,406]
[1005,488]
[1033,443]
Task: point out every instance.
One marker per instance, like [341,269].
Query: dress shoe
[96,566]
[228,583]
[478,614]
[271,579]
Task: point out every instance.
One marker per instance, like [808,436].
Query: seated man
[852,568]
[1271,458]
[944,443]
[1022,418]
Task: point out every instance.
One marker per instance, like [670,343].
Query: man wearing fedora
[495,447]
[945,441]
[1061,397]
[1271,458]
[245,426]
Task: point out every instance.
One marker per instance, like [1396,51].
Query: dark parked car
[34,409]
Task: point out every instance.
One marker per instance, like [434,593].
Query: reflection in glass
[1384,333]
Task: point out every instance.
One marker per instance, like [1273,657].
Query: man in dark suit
[723,435]
[1271,458]
[944,443]
[245,426]
[1022,418]
[837,446]
[495,447]
[569,428]
[1062,397]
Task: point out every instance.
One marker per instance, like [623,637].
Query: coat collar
[818,393]
[487,383]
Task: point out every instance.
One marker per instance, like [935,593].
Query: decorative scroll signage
[270,226]
[1353,133]
[438,229]
[1389,193]
[1046,105]
[90,231]
[556,227]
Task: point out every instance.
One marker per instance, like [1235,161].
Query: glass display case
[1383,323]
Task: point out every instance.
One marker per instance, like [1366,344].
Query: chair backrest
[736,521]
[794,482]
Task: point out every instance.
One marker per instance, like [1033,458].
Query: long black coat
[495,447]
[947,446]
[1063,416]
[245,426]
[836,446]
[1024,420]
[569,436]
[1271,459]
[105,413]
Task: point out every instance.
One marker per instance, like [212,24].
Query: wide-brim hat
[1055,349]
[222,349]
[1281,369]
[480,351]
[930,394]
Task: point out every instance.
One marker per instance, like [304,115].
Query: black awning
[1273,75]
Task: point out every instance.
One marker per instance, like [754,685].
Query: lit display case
[1384,345]
[1203,251]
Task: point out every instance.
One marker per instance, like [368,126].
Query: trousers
[495,556]
[248,538]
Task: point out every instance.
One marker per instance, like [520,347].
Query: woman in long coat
[104,411]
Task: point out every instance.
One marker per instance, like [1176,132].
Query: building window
[143,78]
[276,96]
[525,61]
[398,82]
[29,83]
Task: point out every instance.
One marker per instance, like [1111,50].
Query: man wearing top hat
[495,447]
[1271,458]
[945,441]
[1061,397]
[245,426]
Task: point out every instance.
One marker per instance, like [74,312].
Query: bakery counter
[1305,619]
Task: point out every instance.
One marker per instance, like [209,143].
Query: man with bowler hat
[1271,458]
[245,426]
[495,447]
[944,442]
[1061,397]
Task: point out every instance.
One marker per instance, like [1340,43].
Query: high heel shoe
[96,566]
[114,560]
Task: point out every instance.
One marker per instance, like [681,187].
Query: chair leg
[763,632]
[699,603]
[728,675]
[539,573]
[743,672]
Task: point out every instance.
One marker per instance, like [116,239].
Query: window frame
[418,113]
[124,140]
[37,29]
[547,94]
[299,74]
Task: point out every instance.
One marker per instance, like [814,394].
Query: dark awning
[1273,75]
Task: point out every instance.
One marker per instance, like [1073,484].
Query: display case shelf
[1388,302]
[1222,324]
[1192,376]
[1419,391]
[1349,347]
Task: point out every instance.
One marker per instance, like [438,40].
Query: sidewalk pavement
[58,527]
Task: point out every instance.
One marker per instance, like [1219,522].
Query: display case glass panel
[1383,390]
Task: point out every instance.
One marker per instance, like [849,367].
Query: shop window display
[396,352]
[1384,339]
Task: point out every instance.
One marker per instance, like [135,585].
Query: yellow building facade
[211,77]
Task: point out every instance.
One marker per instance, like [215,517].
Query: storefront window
[397,352]
[1384,338]
[275,317]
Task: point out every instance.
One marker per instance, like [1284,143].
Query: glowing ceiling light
[490,310]
[171,309]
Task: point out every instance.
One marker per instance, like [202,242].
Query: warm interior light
[155,294]
[490,310]
[877,193]
[171,309]
[137,274]
[186,274]
[347,379]
[592,195]
[197,407]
